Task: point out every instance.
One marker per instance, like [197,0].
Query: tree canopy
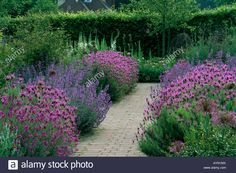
[170,13]
[15,8]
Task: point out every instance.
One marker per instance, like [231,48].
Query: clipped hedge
[207,21]
[132,27]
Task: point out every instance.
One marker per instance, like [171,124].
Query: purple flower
[27,128]
[34,116]
[71,79]
[195,84]
[4,100]
[176,147]
[1,114]
[121,68]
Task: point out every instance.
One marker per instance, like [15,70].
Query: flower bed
[194,115]
[91,105]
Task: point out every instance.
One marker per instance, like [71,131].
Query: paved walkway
[115,135]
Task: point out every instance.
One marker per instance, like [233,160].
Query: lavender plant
[178,70]
[8,141]
[92,105]
[194,111]
[41,116]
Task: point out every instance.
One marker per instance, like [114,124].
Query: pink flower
[2,115]
[194,84]
[121,68]
[26,128]
[41,112]
[176,147]
[4,100]
[10,77]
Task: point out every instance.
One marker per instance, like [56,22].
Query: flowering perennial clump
[42,118]
[72,79]
[121,68]
[121,72]
[202,80]
[178,70]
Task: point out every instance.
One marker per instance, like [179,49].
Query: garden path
[115,135]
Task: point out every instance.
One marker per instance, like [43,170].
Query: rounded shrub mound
[121,72]
[41,117]
[194,115]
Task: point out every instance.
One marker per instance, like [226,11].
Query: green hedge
[133,27]
[207,21]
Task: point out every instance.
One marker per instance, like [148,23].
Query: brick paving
[114,137]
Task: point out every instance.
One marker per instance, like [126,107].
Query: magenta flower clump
[121,68]
[205,87]
[42,118]
[178,70]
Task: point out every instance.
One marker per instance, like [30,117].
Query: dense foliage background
[16,8]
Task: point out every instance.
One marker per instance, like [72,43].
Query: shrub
[92,105]
[103,24]
[44,6]
[207,21]
[158,136]
[5,68]
[40,114]
[209,141]
[41,44]
[199,51]
[121,72]
[9,143]
[228,44]
[150,71]
[212,47]
[187,132]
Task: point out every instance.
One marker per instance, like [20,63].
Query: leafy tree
[170,13]
[44,6]
[118,3]
[16,8]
